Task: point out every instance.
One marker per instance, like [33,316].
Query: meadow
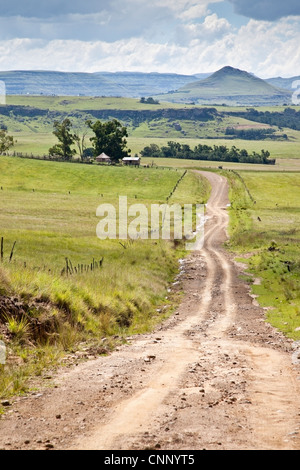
[33,133]
[74,289]
[265,235]
[110,289]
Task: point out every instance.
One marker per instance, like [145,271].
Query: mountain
[286,83]
[230,86]
[125,84]
[226,86]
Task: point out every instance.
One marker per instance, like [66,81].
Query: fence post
[12,251]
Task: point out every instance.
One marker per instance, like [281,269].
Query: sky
[169,36]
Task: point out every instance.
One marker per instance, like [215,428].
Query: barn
[131,161]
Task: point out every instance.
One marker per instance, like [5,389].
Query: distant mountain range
[125,84]
[226,86]
[286,83]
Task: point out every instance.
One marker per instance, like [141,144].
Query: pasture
[265,232]
[110,289]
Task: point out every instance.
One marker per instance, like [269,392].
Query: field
[74,289]
[33,133]
[49,210]
[265,232]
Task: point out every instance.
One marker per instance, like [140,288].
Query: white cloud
[165,36]
[257,47]
[210,30]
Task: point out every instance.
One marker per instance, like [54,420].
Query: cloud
[269,10]
[211,29]
[256,47]
[182,36]
[107,20]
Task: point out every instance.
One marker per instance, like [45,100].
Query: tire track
[213,382]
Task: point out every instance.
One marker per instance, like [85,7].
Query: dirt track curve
[214,376]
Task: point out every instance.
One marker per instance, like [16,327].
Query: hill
[125,84]
[230,86]
[286,83]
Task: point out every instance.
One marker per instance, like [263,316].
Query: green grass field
[49,209]
[269,231]
[34,134]
[69,103]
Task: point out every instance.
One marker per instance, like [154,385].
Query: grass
[82,103]
[49,209]
[34,134]
[268,230]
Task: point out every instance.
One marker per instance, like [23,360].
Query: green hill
[230,86]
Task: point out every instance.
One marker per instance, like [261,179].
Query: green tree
[110,138]
[62,130]
[6,141]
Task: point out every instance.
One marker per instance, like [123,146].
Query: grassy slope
[34,135]
[231,84]
[69,103]
[269,231]
[58,220]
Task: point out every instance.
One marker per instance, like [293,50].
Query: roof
[103,155]
[127,159]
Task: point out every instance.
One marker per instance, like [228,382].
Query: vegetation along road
[214,375]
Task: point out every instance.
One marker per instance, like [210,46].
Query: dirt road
[213,376]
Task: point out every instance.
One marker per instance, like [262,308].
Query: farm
[66,296]
[49,210]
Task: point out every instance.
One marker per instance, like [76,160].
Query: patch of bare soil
[213,376]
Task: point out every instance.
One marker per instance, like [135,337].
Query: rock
[149,358]
[5,403]
[49,446]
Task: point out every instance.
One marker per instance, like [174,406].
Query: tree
[62,130]
[110,138]
[6,141]
[80,142]
[151,150]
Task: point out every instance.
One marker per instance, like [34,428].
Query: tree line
[289,118]
[254,134]
[219,153]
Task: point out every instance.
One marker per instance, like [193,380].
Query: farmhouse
[103,158]
[133,161]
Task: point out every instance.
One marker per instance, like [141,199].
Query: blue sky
[186,36]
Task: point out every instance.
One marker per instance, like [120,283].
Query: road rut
[215,375]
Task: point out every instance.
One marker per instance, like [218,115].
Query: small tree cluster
[149,100]
[109,137]
[219,153]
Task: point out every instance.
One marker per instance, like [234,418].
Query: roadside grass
[119,289]
[265,235]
